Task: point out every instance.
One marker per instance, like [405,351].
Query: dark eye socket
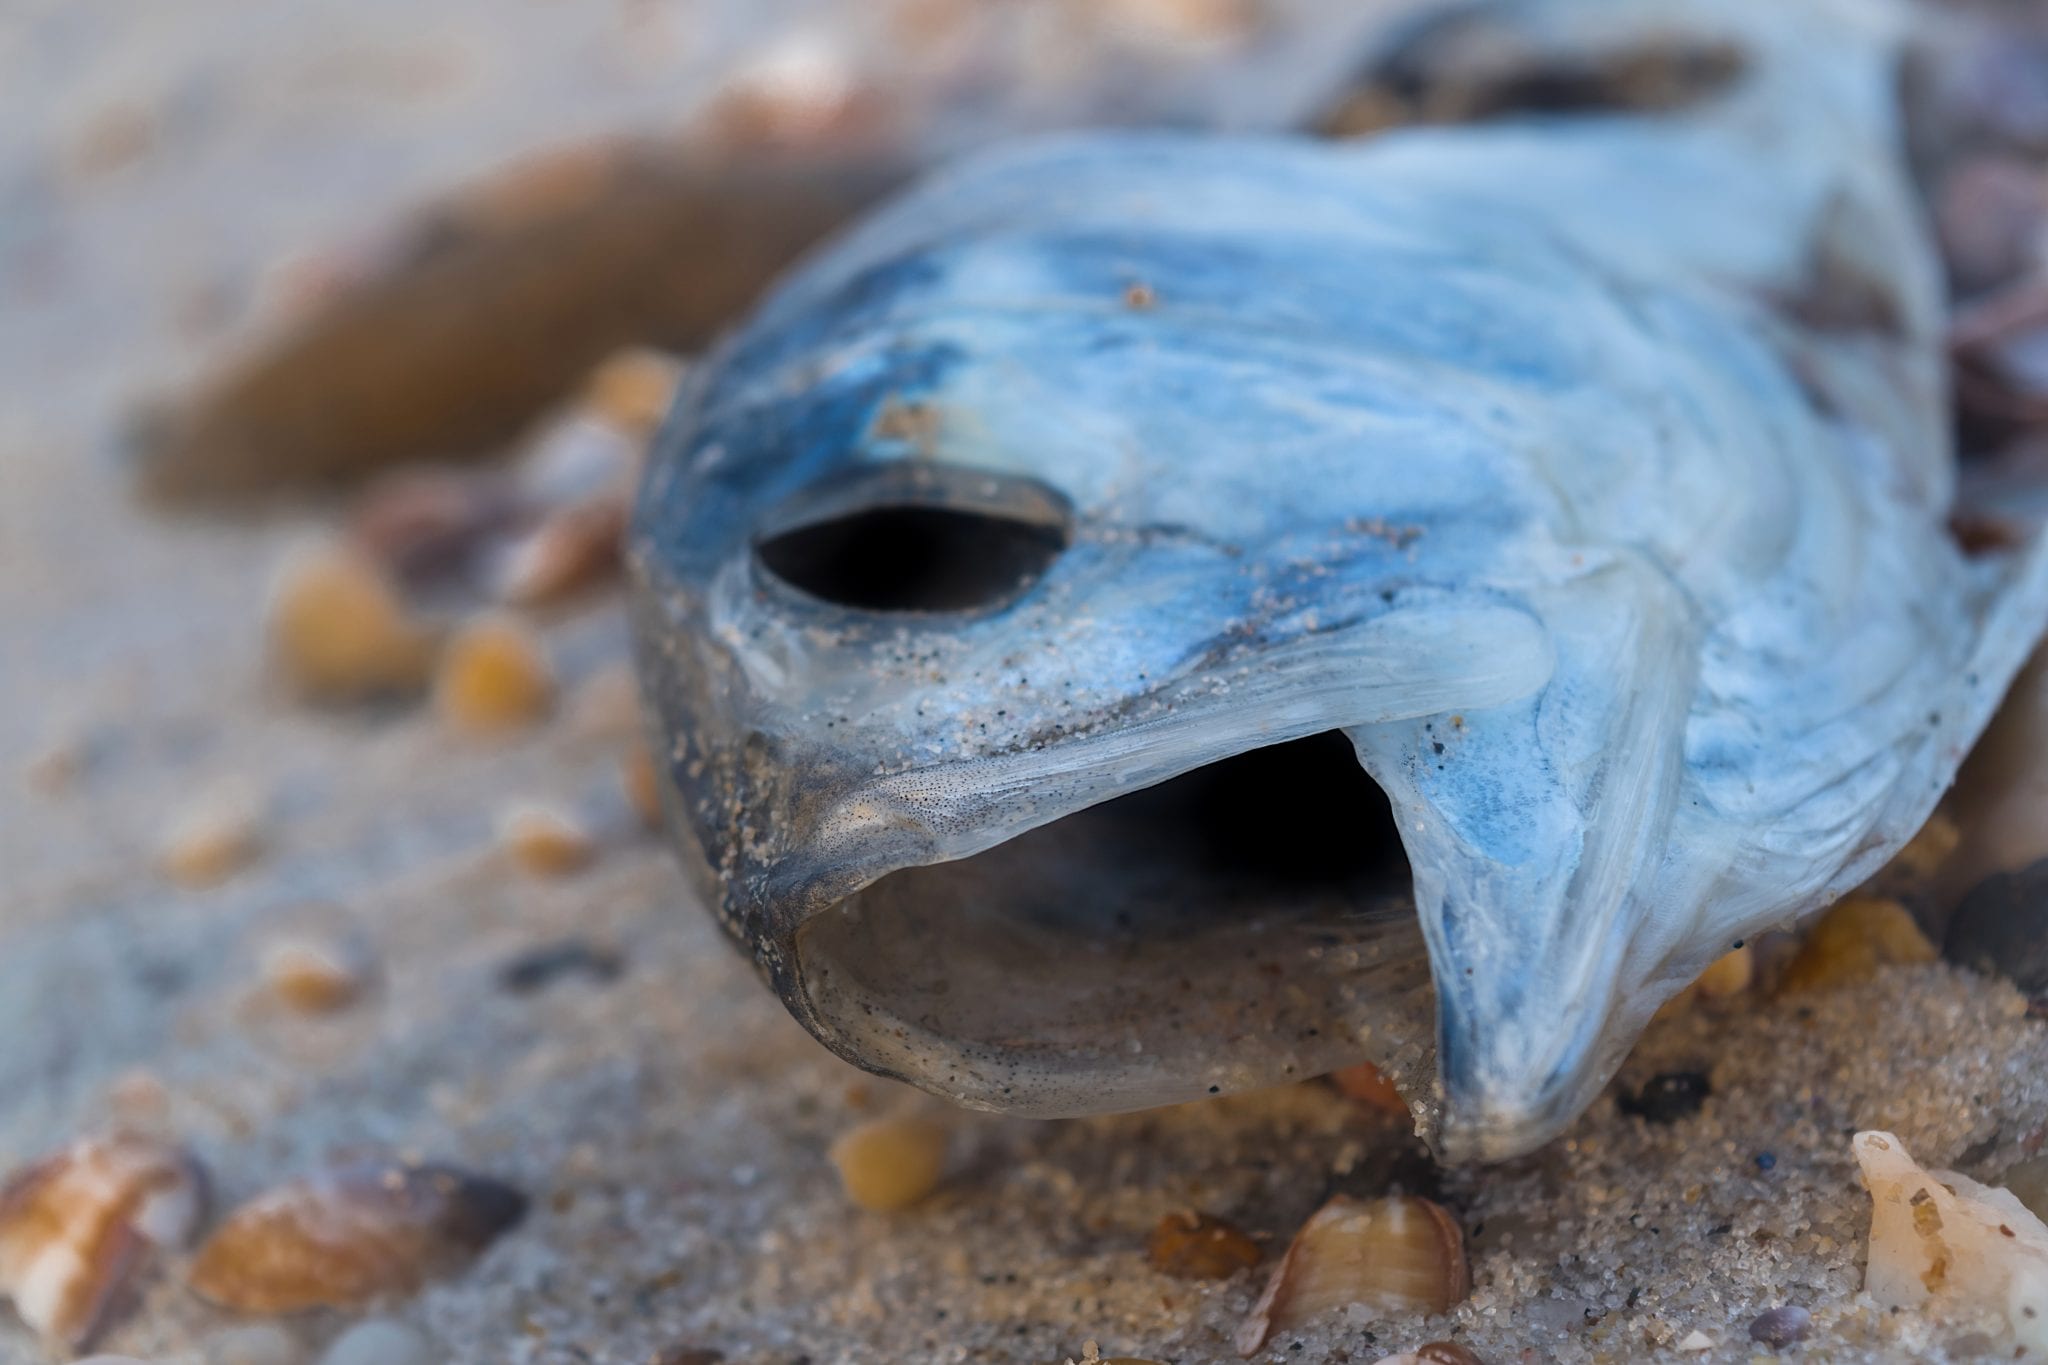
[918,539]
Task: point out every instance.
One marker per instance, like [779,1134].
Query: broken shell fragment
[545,842]
[1941,1240]
[1852,940]
[1398,1255]
[76,1230]
[1196,1246]
[494,677]
[339,629]
[889,1164]
[351,1236]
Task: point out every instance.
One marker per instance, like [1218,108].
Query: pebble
[643,786]
[542,966]
[1667,1098]
[2001,928]
[339,631]
[889,1164]
[1852,940]
[209,842]
[545,842]
[1695,1341]
[2028,1181]
[1781,1327]
[312,977]
[380,1341]
[494,677]
[258,1344]
[1198,1246]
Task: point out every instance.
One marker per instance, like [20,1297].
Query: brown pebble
[212,840]
[1729,976]
[75,1230]
[494,677]
[545,842]
[339,631]
[2028,1181]
[1395,1255]
[633,389]
[420,522]
[1197,1246]
[312,977]
[1369,1086]
[643,786]
[891,1163]
[1852,940]
[351,1236]
[571,549]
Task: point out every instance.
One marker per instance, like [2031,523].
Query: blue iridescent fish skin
[1515,453]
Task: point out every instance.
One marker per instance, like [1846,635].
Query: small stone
[1667,1098]
[313,977]
[350,1236]
[1729,976]
[2001,929]
[545,842]
[1197,1246]
[1399,1255]
[494,677]
[643,786]
[633,389]
[540,967]
[1433,1353]
[1369,1086]
[258,1344]
[422,523]
[1781,1327]
[606,705]
[1695,1341]
[339,630]
[1853,940]
[380,1342]
[889,1164]
[212,840]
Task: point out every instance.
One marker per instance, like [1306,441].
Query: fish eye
[915,538]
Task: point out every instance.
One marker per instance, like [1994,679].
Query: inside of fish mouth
[1250,922]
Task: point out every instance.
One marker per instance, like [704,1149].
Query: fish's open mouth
[1248,922]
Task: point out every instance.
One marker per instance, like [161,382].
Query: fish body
[1587,475]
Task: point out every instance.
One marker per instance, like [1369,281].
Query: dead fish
[1145,616]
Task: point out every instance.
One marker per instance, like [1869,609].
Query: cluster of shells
[84,1230]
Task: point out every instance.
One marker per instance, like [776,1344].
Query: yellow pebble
[633,388]
[545,842]
[339,630]
[1730,975]
[890,1164]
[1852,940]
[212,841]
[494,677]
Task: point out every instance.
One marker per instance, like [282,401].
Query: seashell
[494,677]
[889,1164]
[78,1228]
[1399,1255]
[1198,1246]
[1502,567]
[1941,1240]
[545,842]
[338,629]
[1693,1342]
[351,1236]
